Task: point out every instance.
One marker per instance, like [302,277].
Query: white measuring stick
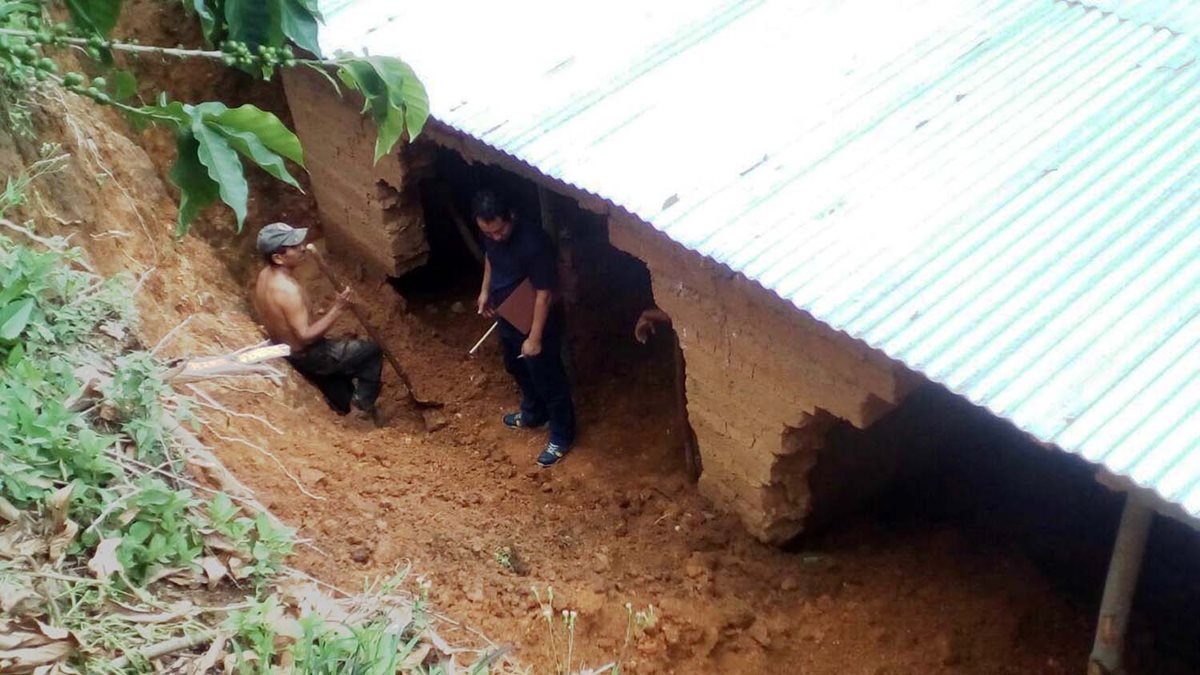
[485,336]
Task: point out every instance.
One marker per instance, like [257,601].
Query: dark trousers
[346,371]
[545,390]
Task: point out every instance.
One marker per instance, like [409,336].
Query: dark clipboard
[517,308]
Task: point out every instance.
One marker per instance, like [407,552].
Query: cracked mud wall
[370,212]
[765,384]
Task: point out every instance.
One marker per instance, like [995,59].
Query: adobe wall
[370,212]
[765,384]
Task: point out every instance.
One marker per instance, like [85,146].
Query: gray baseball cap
[279,235]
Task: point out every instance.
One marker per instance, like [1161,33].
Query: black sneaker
[518,421]
[552,454]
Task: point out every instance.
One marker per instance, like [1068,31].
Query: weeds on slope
[113,557]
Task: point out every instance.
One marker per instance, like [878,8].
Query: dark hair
[269,258]
[487,205]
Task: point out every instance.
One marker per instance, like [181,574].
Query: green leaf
[248,145]
[15,356]
[251,21]
[208,20]
[266,127]
[405,91]
[8,9]
[389,122]
[122,85]
[361,76]
[95,16]
[177,112]
[313,7]
[196,189]
[221,509]
[11,291]
[390,130]
[224,168]
[393,94]
[299,25]
[14,317]
[323,72]
[138,532]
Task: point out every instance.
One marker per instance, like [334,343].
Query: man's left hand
[531,347]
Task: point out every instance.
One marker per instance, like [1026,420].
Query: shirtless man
[346,371]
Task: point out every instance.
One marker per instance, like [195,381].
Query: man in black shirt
[516,251]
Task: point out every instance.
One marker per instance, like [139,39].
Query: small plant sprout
[636,622]
[547,606]
[646,619]
[569,619]
[504,557]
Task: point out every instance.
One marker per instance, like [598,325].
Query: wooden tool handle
[329,274]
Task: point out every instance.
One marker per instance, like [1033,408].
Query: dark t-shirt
[528,253]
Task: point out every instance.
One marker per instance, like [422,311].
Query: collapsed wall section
[765,382]
[370,212]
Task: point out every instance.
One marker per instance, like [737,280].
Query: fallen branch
[209,402]
[245,501]
[57,244]
[63,577]
[141,281]
[257,371]
[200,457]
[263,451]
[170,334]
[161,649]
[227,365]
[244,390]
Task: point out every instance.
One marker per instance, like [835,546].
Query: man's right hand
[344,299]
[483,307]
[644,329]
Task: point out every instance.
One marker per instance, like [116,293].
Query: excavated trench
[964,564]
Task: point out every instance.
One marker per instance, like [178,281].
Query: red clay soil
[618,522]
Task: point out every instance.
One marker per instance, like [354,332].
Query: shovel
[410,394]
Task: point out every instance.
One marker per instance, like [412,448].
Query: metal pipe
[485,336]
[1119,587]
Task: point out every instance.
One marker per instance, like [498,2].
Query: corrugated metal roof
[1004,196]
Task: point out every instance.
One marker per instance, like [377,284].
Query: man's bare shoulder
[278,287]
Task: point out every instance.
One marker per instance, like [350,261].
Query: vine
[258,37]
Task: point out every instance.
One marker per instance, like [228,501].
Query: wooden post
[1120,586]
